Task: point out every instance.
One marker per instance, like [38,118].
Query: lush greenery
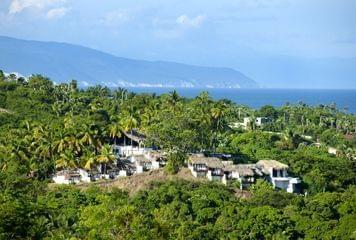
[44,127]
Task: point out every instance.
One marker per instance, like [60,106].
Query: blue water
[255,98]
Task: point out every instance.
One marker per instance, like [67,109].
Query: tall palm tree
[92,135]
[89,159]
[115,131]
[217,113]
[130,121]
[106,156]
[173,97]
[88,134]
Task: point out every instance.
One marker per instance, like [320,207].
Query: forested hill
[63,62]
[46,128]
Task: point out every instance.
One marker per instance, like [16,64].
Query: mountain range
[63,62]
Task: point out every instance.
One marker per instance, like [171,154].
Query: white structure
[149,161]
[85,176]
[122,173]
[129,150]
[66,177]
[332,150]
[209,167]
[276,173]
[82,175]
[245,174]
[259,122]
[216,170]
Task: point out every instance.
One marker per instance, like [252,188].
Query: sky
[268,40]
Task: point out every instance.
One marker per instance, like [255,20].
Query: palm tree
[89,159]
[217,113]
[92,135]
[173,97]
[130,121]
[66,160]
[106,156]
[87,134]
[150,113]
[74,144]
[115,131]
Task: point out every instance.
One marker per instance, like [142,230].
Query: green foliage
[44,126]
[175,161]
[268,111]
[253,146]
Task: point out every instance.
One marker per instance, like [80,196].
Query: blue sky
[265,39]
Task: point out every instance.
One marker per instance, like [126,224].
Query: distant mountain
[62,62]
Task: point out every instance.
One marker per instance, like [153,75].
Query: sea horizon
[345,99]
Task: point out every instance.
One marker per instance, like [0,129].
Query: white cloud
[18,6]
[115,17]
[57,12]
[194,22]
[177,28]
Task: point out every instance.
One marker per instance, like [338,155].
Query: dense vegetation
[44,126]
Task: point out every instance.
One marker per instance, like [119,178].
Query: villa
[209,167]
[215,169]
[67,177]
[149,161]
[259,122]
[130,144]
[245,174]
[276,173]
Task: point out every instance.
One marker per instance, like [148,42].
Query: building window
[274,173]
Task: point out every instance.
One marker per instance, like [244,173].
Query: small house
[210,167]
[141,163]
[67,177]
[245,174]
[130,144]
[261,121]
[276,173]
[157,158]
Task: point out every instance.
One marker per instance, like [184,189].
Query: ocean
[255,98]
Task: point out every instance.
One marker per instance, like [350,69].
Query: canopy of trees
[44,127]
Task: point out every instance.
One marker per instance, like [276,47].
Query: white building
[85,176]
[129,150]
[259,122]
[246,174]
[149,161]
[277,175]
[211,168]
[66,177]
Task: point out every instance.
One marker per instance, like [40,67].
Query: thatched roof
[228,164]
[155,155]
[68,173]
[244,169]
[265,165]
[135,136]
[141,159]
[211,162]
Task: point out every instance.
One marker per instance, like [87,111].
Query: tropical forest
[48,127]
